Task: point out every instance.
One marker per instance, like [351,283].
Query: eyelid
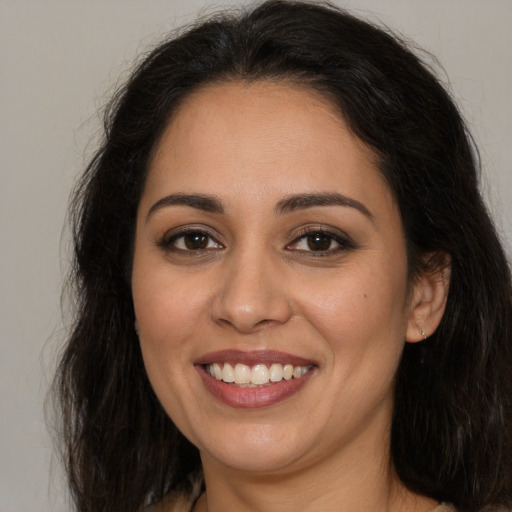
[165,242]
[343,240]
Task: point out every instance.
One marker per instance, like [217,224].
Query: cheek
[167,309]
[356,303]
[167,313]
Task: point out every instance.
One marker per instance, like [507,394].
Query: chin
[254,449]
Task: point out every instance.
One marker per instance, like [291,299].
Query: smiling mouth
[254,379]
[258,375]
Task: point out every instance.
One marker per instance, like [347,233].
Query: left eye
[319,242]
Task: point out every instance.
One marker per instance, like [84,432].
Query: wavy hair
[451,434]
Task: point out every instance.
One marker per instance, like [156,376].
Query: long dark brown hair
[451,436]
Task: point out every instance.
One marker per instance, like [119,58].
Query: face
[269,251]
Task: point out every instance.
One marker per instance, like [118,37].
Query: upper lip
[252,358]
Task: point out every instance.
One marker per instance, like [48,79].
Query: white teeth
[258,375]
[276,372]
[242,374]
[228,375]
[217,371]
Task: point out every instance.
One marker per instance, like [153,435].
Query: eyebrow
[289,204]
[199,201]
[303,201]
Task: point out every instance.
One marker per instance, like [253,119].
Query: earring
[423,333]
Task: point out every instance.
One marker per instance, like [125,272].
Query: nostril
[252,297]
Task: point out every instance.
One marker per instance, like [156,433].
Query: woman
[290,294]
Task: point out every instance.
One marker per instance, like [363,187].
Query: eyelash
[169,242]
[344,242]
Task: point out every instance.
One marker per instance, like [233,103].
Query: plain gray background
[59,61]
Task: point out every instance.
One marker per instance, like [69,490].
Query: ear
[428,296]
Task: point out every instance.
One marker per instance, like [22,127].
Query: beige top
[443,507]
[174,504]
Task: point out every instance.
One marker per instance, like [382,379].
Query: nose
[251,295]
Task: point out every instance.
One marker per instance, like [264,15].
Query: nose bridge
[251,294]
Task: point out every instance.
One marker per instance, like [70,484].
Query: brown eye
[195,241]
[319,242]
[190,240]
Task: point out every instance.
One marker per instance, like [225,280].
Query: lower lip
[252,398]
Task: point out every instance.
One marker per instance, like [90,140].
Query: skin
[258,285]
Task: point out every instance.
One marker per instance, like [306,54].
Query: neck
[361,479]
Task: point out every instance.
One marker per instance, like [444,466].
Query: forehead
[261,138]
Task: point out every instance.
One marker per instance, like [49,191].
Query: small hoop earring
[423,333]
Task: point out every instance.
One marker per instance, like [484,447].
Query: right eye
[190,240]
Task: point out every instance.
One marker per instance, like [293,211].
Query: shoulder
[172,503]
[180,501]
[444,507]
